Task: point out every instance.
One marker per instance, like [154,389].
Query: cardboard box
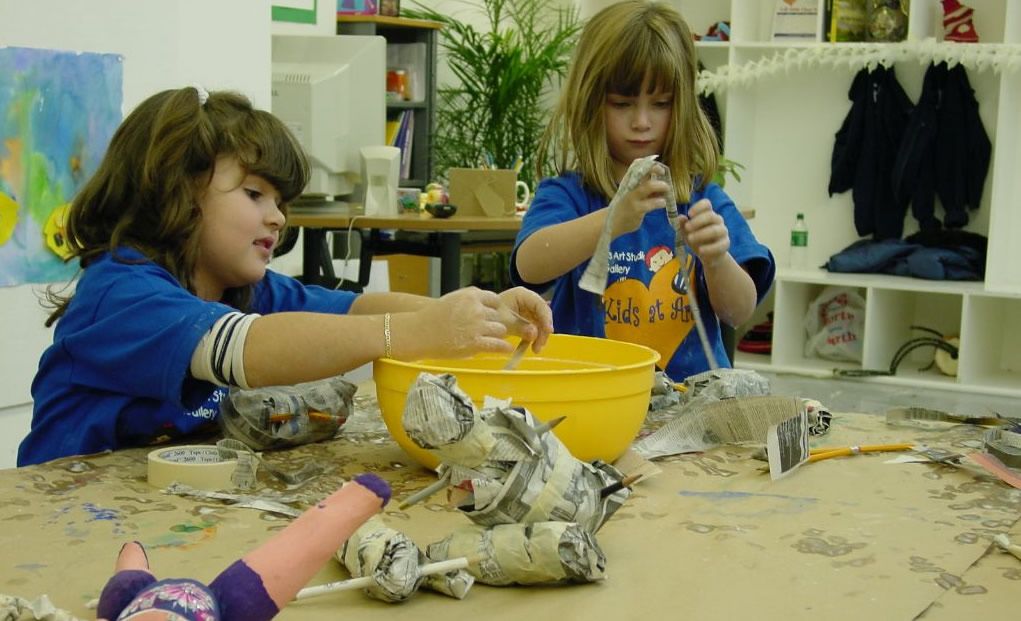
[483,191]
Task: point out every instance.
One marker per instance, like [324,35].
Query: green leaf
[499,100]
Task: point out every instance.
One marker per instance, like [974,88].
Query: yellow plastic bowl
[602,387]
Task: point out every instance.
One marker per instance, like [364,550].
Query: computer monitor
[331,92]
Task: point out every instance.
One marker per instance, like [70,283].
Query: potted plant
[726,167]
[496,111]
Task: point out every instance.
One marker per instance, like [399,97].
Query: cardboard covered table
[712,537]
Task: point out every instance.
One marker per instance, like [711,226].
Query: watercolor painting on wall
[58,111]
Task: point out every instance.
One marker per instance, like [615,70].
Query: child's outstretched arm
[555,250]
[731,289]
[293,347]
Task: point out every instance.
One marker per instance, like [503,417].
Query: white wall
[221,44]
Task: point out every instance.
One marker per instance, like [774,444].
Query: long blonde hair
[622,47]
[144,193]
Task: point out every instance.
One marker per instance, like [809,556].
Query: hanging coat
[864,151]
[963,150]
[945,150]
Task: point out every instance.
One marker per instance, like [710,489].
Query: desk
[445,240]
[710,538]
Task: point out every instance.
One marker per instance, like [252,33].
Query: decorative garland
[997,57]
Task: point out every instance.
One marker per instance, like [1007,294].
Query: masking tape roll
[1005,446]
[196,466]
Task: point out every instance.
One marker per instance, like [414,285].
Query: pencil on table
[820,454]
[627,481]
[312,415]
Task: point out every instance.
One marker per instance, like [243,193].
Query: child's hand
[647,196]
[524,304]
[705,233]
[471,320]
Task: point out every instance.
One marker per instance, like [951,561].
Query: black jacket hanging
[864,151]
[945,150]
[913,171]
[963,150]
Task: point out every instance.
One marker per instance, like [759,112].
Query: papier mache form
[538,553]
[393,561]
[513,470]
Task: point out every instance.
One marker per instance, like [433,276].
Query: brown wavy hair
[145,192]
[620,48]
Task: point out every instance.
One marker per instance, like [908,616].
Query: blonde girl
[631,93]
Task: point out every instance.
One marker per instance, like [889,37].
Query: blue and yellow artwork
[58,111]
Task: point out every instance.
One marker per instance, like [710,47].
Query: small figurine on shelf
[357,7]
[390,7]
[957,22]
[720,31]
[888,20]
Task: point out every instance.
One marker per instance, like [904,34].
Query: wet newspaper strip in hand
[597,272]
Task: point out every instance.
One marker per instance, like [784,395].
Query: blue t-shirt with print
[640,304]
[117,373]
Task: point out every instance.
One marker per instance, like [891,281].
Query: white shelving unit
[782,129]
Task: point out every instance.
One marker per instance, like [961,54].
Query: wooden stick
[426,492]
[440,567]
[548,425]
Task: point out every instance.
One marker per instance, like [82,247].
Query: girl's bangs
[271,152]
[638,61]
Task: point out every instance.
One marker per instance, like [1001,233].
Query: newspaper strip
[514,470]
[272,504]
[787,445]
[724,384]
[594,278]
[664,395]
[924,418]
[393,561]
[707,425]
[282,416]
[540,553]
[633,464]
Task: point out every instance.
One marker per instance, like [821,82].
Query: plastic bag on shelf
[835,325]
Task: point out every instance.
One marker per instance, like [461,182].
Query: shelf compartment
[889,315]
[991,343]
[793,300]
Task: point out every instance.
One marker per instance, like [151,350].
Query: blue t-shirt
[117,373]
[640,305]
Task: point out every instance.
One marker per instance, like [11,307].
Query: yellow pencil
[819,454]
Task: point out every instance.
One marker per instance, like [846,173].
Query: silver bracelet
[387,348]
